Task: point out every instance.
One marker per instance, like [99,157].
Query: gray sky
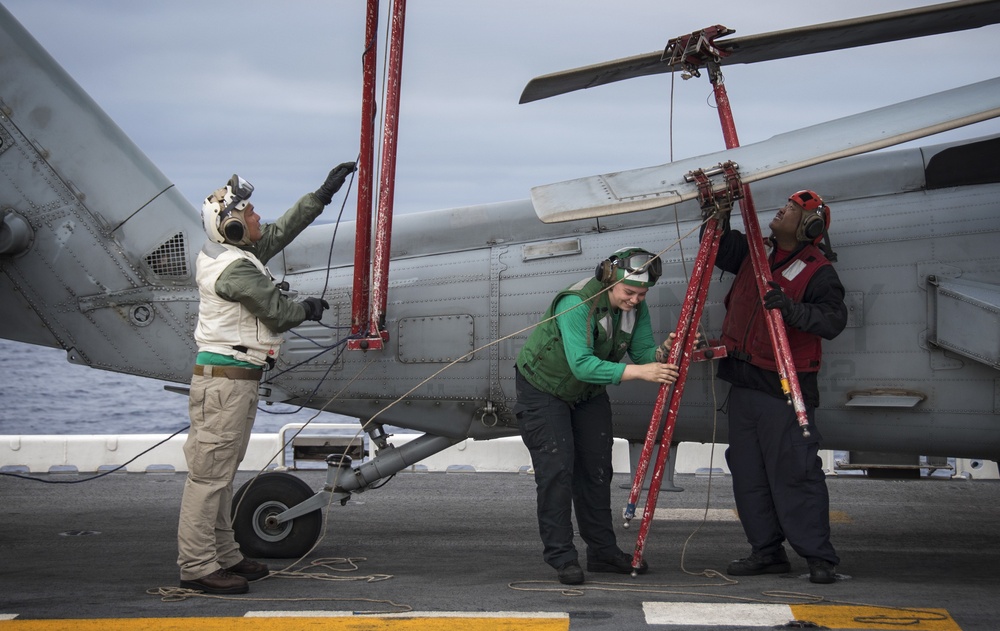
[272,90]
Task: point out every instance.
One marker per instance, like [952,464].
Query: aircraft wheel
[258,501]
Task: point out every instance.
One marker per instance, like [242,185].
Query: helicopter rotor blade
[807,40]
[664,185]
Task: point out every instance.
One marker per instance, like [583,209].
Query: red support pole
[776,324]
[363,223]
[680,355]
[690,314]
[383,226]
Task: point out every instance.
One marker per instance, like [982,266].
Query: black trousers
[778,478]
[570,450]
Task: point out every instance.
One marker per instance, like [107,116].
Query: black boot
[756,563]
[821,571]
[570,573]
[620,563]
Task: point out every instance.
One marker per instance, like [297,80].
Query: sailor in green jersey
[563,408]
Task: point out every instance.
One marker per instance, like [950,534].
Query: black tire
[271,494]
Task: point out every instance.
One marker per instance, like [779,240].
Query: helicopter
[97,249]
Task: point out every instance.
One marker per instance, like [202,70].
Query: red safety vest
[744,330]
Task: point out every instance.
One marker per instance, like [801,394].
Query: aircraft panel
[451,288]
[64,126]
[966,318]
[309,342]
[95,303]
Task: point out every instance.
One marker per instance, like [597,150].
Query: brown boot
[219,582]
[249,569]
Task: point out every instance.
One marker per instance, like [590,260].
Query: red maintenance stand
[690,53]
[371,275]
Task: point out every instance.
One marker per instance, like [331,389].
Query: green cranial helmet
[631,266]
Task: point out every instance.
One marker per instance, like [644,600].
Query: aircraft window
[169,259]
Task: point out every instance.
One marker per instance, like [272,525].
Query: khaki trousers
[222,414]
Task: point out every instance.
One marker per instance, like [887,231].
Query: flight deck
[434,550]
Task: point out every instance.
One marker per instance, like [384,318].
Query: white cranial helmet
[222,212]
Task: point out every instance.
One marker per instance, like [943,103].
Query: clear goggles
[639,262]
[241,189]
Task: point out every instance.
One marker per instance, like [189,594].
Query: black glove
[314,308]
[777,299]
[334,181]
[663,350]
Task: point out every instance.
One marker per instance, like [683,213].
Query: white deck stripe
[695,514]
[725,614]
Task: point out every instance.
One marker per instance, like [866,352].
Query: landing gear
[256,506]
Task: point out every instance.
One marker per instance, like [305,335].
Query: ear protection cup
[815,216]
[812,225]
[605,271]
[232,229]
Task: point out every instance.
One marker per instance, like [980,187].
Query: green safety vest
[542,360]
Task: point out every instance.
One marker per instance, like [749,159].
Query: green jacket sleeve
[642,350]
[576,334]
[242,282]
[277,235]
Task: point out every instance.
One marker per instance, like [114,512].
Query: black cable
[319,382]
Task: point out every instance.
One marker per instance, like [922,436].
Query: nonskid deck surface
[428,547]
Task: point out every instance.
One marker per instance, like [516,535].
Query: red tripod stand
[691,52]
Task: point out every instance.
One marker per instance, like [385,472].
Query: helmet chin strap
[827,248]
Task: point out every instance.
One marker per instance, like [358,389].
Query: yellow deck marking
[346,622]
[849,617]
[678,615]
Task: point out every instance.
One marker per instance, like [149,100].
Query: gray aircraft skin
[107,274]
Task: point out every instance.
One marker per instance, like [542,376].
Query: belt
[745,357]
[229,372]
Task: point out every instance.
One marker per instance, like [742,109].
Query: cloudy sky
[272,90]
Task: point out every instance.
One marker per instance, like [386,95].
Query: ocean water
[42,393]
